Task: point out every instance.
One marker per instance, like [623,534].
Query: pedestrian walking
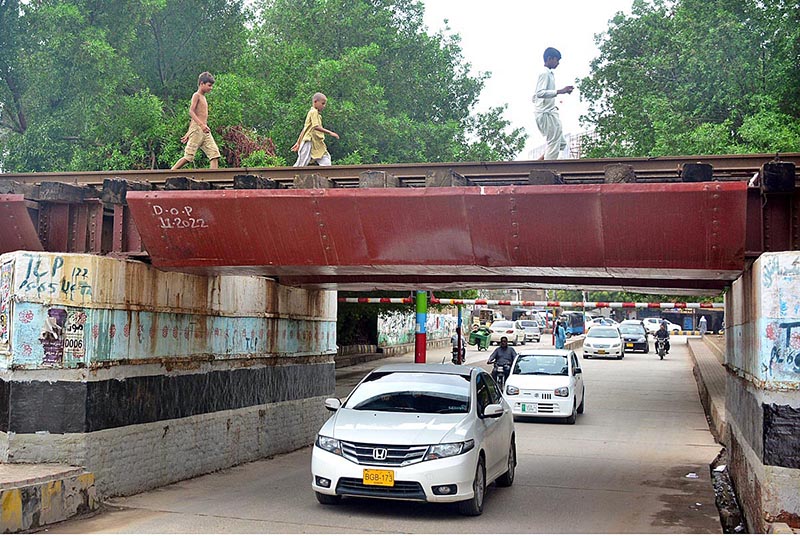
[560,335]
[545,110]
[199,135]
[311,141]
[703,325]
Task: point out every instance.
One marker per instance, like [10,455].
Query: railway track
[583,171]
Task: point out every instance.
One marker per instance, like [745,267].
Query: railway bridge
[156,325]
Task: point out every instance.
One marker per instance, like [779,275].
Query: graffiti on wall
[5,301]
[43,276]
[47,336]
[397,327]
[781,315]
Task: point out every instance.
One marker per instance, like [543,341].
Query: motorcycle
[500,373]
[661,347]
[459,359]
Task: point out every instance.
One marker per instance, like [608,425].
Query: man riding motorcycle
[502,358]
[663,333]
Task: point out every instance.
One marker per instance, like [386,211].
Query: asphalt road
[637,461]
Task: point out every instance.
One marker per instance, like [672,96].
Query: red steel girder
[643,231]
[17,231]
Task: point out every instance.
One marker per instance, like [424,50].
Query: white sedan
[435,433]
[546,383]
[603,341]
[652,325]
[512,330]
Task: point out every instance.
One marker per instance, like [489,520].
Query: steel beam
[649,232]
[17,231]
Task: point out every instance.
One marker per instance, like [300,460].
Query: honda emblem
[379,454]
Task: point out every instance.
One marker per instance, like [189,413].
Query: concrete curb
[34,503]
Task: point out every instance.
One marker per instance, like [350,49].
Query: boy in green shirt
[311,141]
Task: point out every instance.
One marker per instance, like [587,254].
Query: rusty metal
[726,167]
[17,231]
[645,232]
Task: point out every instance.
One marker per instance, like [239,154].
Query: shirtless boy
[199,135]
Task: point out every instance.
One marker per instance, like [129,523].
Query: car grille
[396,455]
[546,408]
[400,490]
[541,396]
[602,346]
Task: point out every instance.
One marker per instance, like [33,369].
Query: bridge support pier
[145,377]
[763,389]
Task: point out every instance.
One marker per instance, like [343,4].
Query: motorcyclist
[454,343]
[663,333]
[502,356]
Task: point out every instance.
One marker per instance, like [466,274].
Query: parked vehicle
[652,325]
[634,335]
[435,433]
[603,341]
[513,331]
[532,330]
[546,383]
[574,322]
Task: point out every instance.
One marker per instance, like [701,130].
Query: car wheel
[647,349]
[574,417]
[583,401]
[507,478]
[474,506]
[328,499]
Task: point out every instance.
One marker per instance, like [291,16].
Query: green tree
[696,77]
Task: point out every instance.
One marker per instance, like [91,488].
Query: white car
[652,325]
[435,433]
[603,341]
[512,330]
[532,330]
[546,383]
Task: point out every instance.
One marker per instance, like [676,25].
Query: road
[636,462]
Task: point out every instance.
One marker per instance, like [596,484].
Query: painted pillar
[459,331]
[762,408]
[420,333]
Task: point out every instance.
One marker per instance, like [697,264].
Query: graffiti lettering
[178,218]
[43,279]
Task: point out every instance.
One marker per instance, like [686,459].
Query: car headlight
[616,345]
[511,390]
[445,450]
[642,339]
[330,444]
[587,344]
[562,391]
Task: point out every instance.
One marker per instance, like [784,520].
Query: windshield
[631,329]
[603,333]
[542,365]
[413,392]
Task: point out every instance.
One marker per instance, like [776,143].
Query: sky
[508,37]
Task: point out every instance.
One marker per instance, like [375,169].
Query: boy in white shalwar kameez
[545,109]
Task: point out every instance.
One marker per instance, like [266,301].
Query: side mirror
[577,370]
[333,404]
[493,410]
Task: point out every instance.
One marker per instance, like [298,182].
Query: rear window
[529,324]
[411,392]
[502,324]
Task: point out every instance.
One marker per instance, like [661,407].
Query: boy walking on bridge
[546,111]
[199,135]
[311,141]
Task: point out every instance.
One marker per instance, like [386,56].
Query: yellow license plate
[628,345]
[601,351]
[378,477]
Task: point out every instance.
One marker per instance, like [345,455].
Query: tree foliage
[87,84]
[697,77]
